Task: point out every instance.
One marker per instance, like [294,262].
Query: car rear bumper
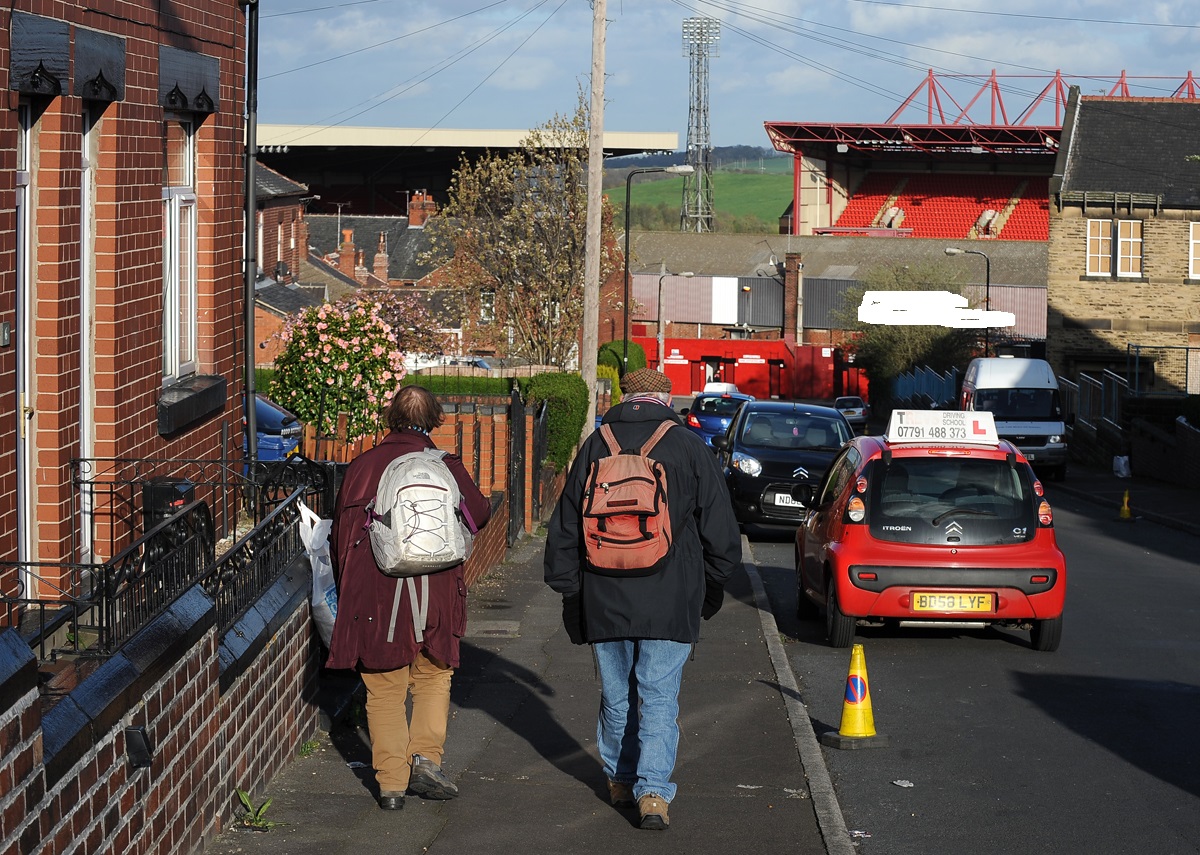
[872,591]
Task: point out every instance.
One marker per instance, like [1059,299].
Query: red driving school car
[938,522]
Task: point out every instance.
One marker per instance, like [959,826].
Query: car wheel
[806,609]
[1046,634]
[838,627]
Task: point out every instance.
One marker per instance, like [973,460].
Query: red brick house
[121,247]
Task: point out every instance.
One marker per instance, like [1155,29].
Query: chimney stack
[346,253]
[420,208]
[380,268]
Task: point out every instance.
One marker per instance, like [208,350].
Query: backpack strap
[614,447]
[658,434]
[610,439]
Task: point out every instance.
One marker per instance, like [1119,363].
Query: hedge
[566,396]
[611,353]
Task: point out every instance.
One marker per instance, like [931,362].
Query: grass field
[736,194]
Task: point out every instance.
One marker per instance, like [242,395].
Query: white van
[1022,396]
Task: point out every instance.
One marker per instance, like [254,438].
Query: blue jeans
[643,675]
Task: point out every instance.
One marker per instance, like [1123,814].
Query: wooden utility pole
[592,248]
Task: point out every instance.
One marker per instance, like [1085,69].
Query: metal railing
[90,610]
[1101,399]
[239,577]
[1163,370]
[925,385]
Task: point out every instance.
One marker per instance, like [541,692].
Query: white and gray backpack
[417,521]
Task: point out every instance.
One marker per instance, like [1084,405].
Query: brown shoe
[620,794]
[653,809]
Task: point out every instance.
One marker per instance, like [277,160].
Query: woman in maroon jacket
[406,755]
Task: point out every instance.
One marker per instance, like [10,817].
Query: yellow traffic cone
[1126,512]
[858,720]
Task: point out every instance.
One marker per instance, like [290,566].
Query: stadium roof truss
[949,127]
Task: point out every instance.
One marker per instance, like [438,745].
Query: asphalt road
[1092,749]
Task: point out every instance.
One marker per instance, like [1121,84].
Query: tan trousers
[394,739]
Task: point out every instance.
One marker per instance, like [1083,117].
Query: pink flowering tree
[348,357]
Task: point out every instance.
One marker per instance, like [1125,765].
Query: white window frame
[1099,248]
[180,275]
[1194,252]
[1129,249]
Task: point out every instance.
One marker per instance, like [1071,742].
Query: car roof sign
[942,426]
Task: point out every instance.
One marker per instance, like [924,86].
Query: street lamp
[987,290]
[682,169]
[661,321]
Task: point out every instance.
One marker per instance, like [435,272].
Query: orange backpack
[626,524]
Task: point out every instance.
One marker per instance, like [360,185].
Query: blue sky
[517,63]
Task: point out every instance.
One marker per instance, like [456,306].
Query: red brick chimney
[793,278]
[420,208]
[346,253]
[380,267]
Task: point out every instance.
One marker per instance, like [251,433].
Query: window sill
[189,401]
[1092,277]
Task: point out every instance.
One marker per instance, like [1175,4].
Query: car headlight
[746,463]
[1054,439]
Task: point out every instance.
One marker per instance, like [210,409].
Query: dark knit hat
[645,380]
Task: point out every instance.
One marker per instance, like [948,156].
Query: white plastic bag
[1121,466]
[314,532]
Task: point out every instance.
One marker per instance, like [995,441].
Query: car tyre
[838,627]
[1046,634]
[806,609]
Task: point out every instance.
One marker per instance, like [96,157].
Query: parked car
[278,430]
[710,413]
[938,522]
[771,449]
[855,410]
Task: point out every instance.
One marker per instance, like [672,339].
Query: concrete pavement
[521,747]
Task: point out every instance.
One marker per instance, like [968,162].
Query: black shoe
[429,781]
[391,801]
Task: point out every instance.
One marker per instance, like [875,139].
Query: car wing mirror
[720,442]
[804,494]
[684,411]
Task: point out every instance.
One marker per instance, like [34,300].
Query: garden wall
[218,714]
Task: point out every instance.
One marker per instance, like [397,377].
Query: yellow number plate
[971,602]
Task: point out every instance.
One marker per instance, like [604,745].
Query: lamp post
[749,309]
[683,169]
[987,290]
[661,321]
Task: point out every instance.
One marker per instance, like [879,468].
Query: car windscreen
[951,500]
[1027,405]
[792,430]
[848,404]
[717,406]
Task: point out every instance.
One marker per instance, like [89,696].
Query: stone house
[1123,277]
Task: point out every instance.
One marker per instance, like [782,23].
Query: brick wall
[125,286]
[220,715]
[1167,454]
[284,237]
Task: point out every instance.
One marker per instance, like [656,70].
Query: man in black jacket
[643,628]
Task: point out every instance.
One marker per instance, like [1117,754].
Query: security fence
[1163,370]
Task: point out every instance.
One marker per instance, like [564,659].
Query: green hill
[737,196]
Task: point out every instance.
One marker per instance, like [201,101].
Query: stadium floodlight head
[701,31]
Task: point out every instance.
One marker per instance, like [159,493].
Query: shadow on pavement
[519,699]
